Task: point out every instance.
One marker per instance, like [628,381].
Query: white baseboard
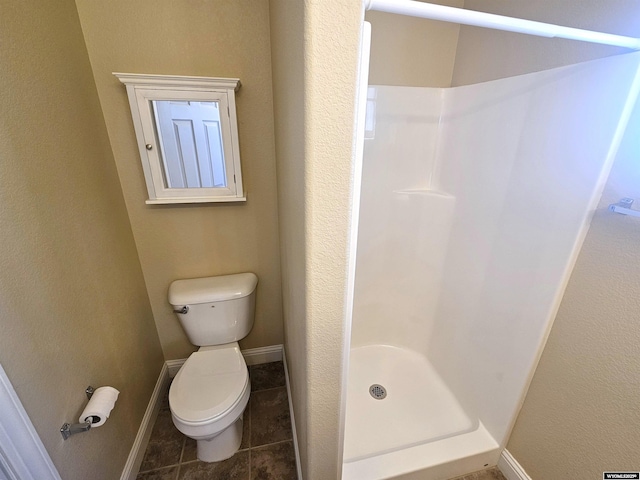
[258,356]
[252,356]
[174,365]
[293,419]
[510,467]
[141,441]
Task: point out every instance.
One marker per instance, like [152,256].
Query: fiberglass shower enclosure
[474,204]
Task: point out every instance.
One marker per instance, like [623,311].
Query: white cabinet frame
[142,90]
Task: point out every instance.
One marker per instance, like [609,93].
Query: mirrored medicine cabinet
[187,135]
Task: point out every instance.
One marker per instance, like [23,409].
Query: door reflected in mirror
[190,139]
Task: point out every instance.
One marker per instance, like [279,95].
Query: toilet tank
[215,310]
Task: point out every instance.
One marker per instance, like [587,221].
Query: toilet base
[223,445]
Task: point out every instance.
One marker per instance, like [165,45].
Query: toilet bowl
[211,390]
[207,399]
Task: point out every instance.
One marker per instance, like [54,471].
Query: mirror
[190,139]
[187,135]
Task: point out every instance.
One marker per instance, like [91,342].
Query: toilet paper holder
[71,429]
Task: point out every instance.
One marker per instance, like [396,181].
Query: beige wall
[581,413]
[315,68]
[485,54]
[226,38]
[288,63]
[412,52]
[74,308]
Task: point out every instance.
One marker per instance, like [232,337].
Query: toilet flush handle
[182,310]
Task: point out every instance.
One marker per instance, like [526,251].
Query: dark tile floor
[490,474]
[266,452]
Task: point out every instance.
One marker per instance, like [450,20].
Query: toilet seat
[211,383]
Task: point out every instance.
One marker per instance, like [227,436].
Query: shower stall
[473,207]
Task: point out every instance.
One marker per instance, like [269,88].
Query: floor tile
[489,474]
[270,422]
[163,474]
[190,452]
[235,468]
[274,462]
[164,403]
[267,375]
[246,429]
[165,444]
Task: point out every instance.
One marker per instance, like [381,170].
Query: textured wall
[581,413]
[412,51]
[74,309]
[315,47]
[226,38]
[333,36]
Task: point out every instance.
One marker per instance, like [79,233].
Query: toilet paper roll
[100,405]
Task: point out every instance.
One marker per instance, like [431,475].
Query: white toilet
[210,392]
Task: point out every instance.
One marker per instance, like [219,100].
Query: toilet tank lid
[211,289]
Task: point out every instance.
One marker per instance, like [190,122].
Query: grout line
[184,444]
[166,467]
[250,419]
[267,389]
[159,468]
[274,443]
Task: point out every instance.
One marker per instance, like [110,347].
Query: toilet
[208,395]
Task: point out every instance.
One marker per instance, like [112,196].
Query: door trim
[22,454]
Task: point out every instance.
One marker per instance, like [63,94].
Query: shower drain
[378,391]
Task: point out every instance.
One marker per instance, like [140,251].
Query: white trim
[260,355]
[165,201]
[173,366]
[510,467]
[498,22]
[136,455]
[293,418]
[22,454]
[170,80]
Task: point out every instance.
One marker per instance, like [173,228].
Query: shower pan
[473,207]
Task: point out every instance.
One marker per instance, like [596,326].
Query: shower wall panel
[403,223]
[524,157]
